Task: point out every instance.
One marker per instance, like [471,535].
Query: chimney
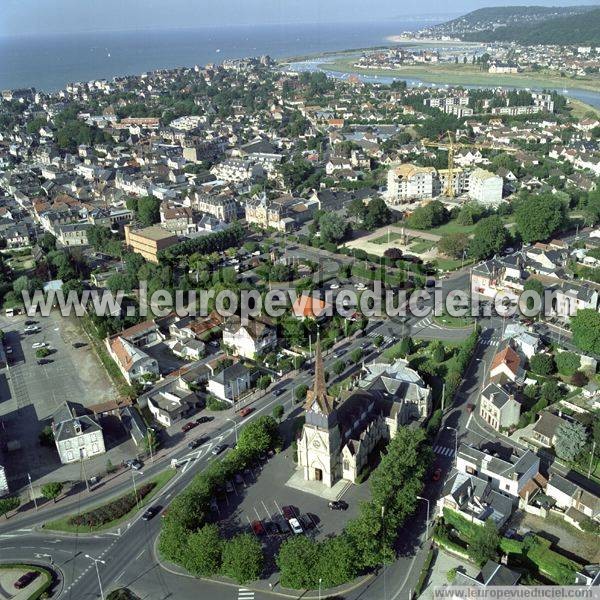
[77,426]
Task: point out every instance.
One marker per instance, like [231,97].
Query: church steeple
[317,399]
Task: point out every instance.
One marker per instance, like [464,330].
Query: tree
[534,285]
[542,364]
[567,363]
[42,352]
[8,504]
[484,543]
[406,347]
[585,325]
[46,437]
[377,214]
[454,244]
[357,210]
[278,412]
[550,393]
[539,217]
[337,561]
[570,440]
[377,340]
[264,381]
[338,367]
[52,490]
[297,561]
[489,237]
[356,355]
[393,253]
[438,353]
[428,216]
[300,393]
[332,227]
[148,210]
[202,556]
[242,558]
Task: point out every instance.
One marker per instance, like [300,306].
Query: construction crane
[451,146]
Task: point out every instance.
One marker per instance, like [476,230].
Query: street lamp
[320,582]
[96,561]
[150,436]
[32,494]
[133,474]
[455,443]
[426,522]
[234,428]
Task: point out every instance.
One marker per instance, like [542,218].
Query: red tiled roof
[509,358]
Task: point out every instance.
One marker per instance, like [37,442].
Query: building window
[346,465]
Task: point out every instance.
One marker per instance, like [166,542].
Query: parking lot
[260,495]
[30,393]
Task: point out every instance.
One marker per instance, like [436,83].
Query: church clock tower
[319,449]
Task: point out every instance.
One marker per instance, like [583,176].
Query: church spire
[318,395]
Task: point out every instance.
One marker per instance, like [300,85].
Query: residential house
[76,436]
[169,400]
[507,366]
[491,574]
[132,361]
[498,407]
[309,307]
[475,499]
[229,383]
[577,503]
[544,431]
[249,339]
[509,474]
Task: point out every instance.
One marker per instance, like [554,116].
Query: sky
[60,16]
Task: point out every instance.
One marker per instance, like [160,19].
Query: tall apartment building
[408,182]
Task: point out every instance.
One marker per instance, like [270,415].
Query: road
[127,555]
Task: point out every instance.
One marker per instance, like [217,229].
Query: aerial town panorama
[308,326]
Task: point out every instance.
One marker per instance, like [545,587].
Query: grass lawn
[385,239]
[449,321]
[63,524]
[452,227]
[421,247]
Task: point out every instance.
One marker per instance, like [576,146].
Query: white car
[295,526]
[38,345]
[30,329]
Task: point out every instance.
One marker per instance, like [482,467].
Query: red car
[25,580]
[437,474]
[244,412]
[258,528]
[189,426]
[288,512]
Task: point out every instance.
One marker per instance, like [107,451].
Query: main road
[127,553]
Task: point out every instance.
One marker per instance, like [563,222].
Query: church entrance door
[318,475]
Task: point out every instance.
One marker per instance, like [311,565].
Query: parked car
[201,420]
[278,392]
[272,528]
[30,329]
[38,345]
[8,350]
[295,526]
[134,464]
[194,444]
[306,522]
[244,412]
[437,474]
[289,512]
[151,513]
[218,449]
[430,283]
[258,528]
[26,579]
[338,505]
[189,426]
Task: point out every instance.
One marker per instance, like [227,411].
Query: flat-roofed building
[149,241]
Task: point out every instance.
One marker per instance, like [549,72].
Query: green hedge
[113,510]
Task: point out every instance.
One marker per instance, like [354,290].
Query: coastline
[451,75]
[400,39]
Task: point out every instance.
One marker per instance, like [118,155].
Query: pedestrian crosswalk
[493,341]
[444,451]
[386,338]
[245,594]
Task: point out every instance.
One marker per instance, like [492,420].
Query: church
[339,434]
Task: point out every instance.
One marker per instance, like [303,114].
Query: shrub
[213,403]
[567,363]
[112,511]
[542,364]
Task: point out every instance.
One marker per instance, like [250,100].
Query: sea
[49,62]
